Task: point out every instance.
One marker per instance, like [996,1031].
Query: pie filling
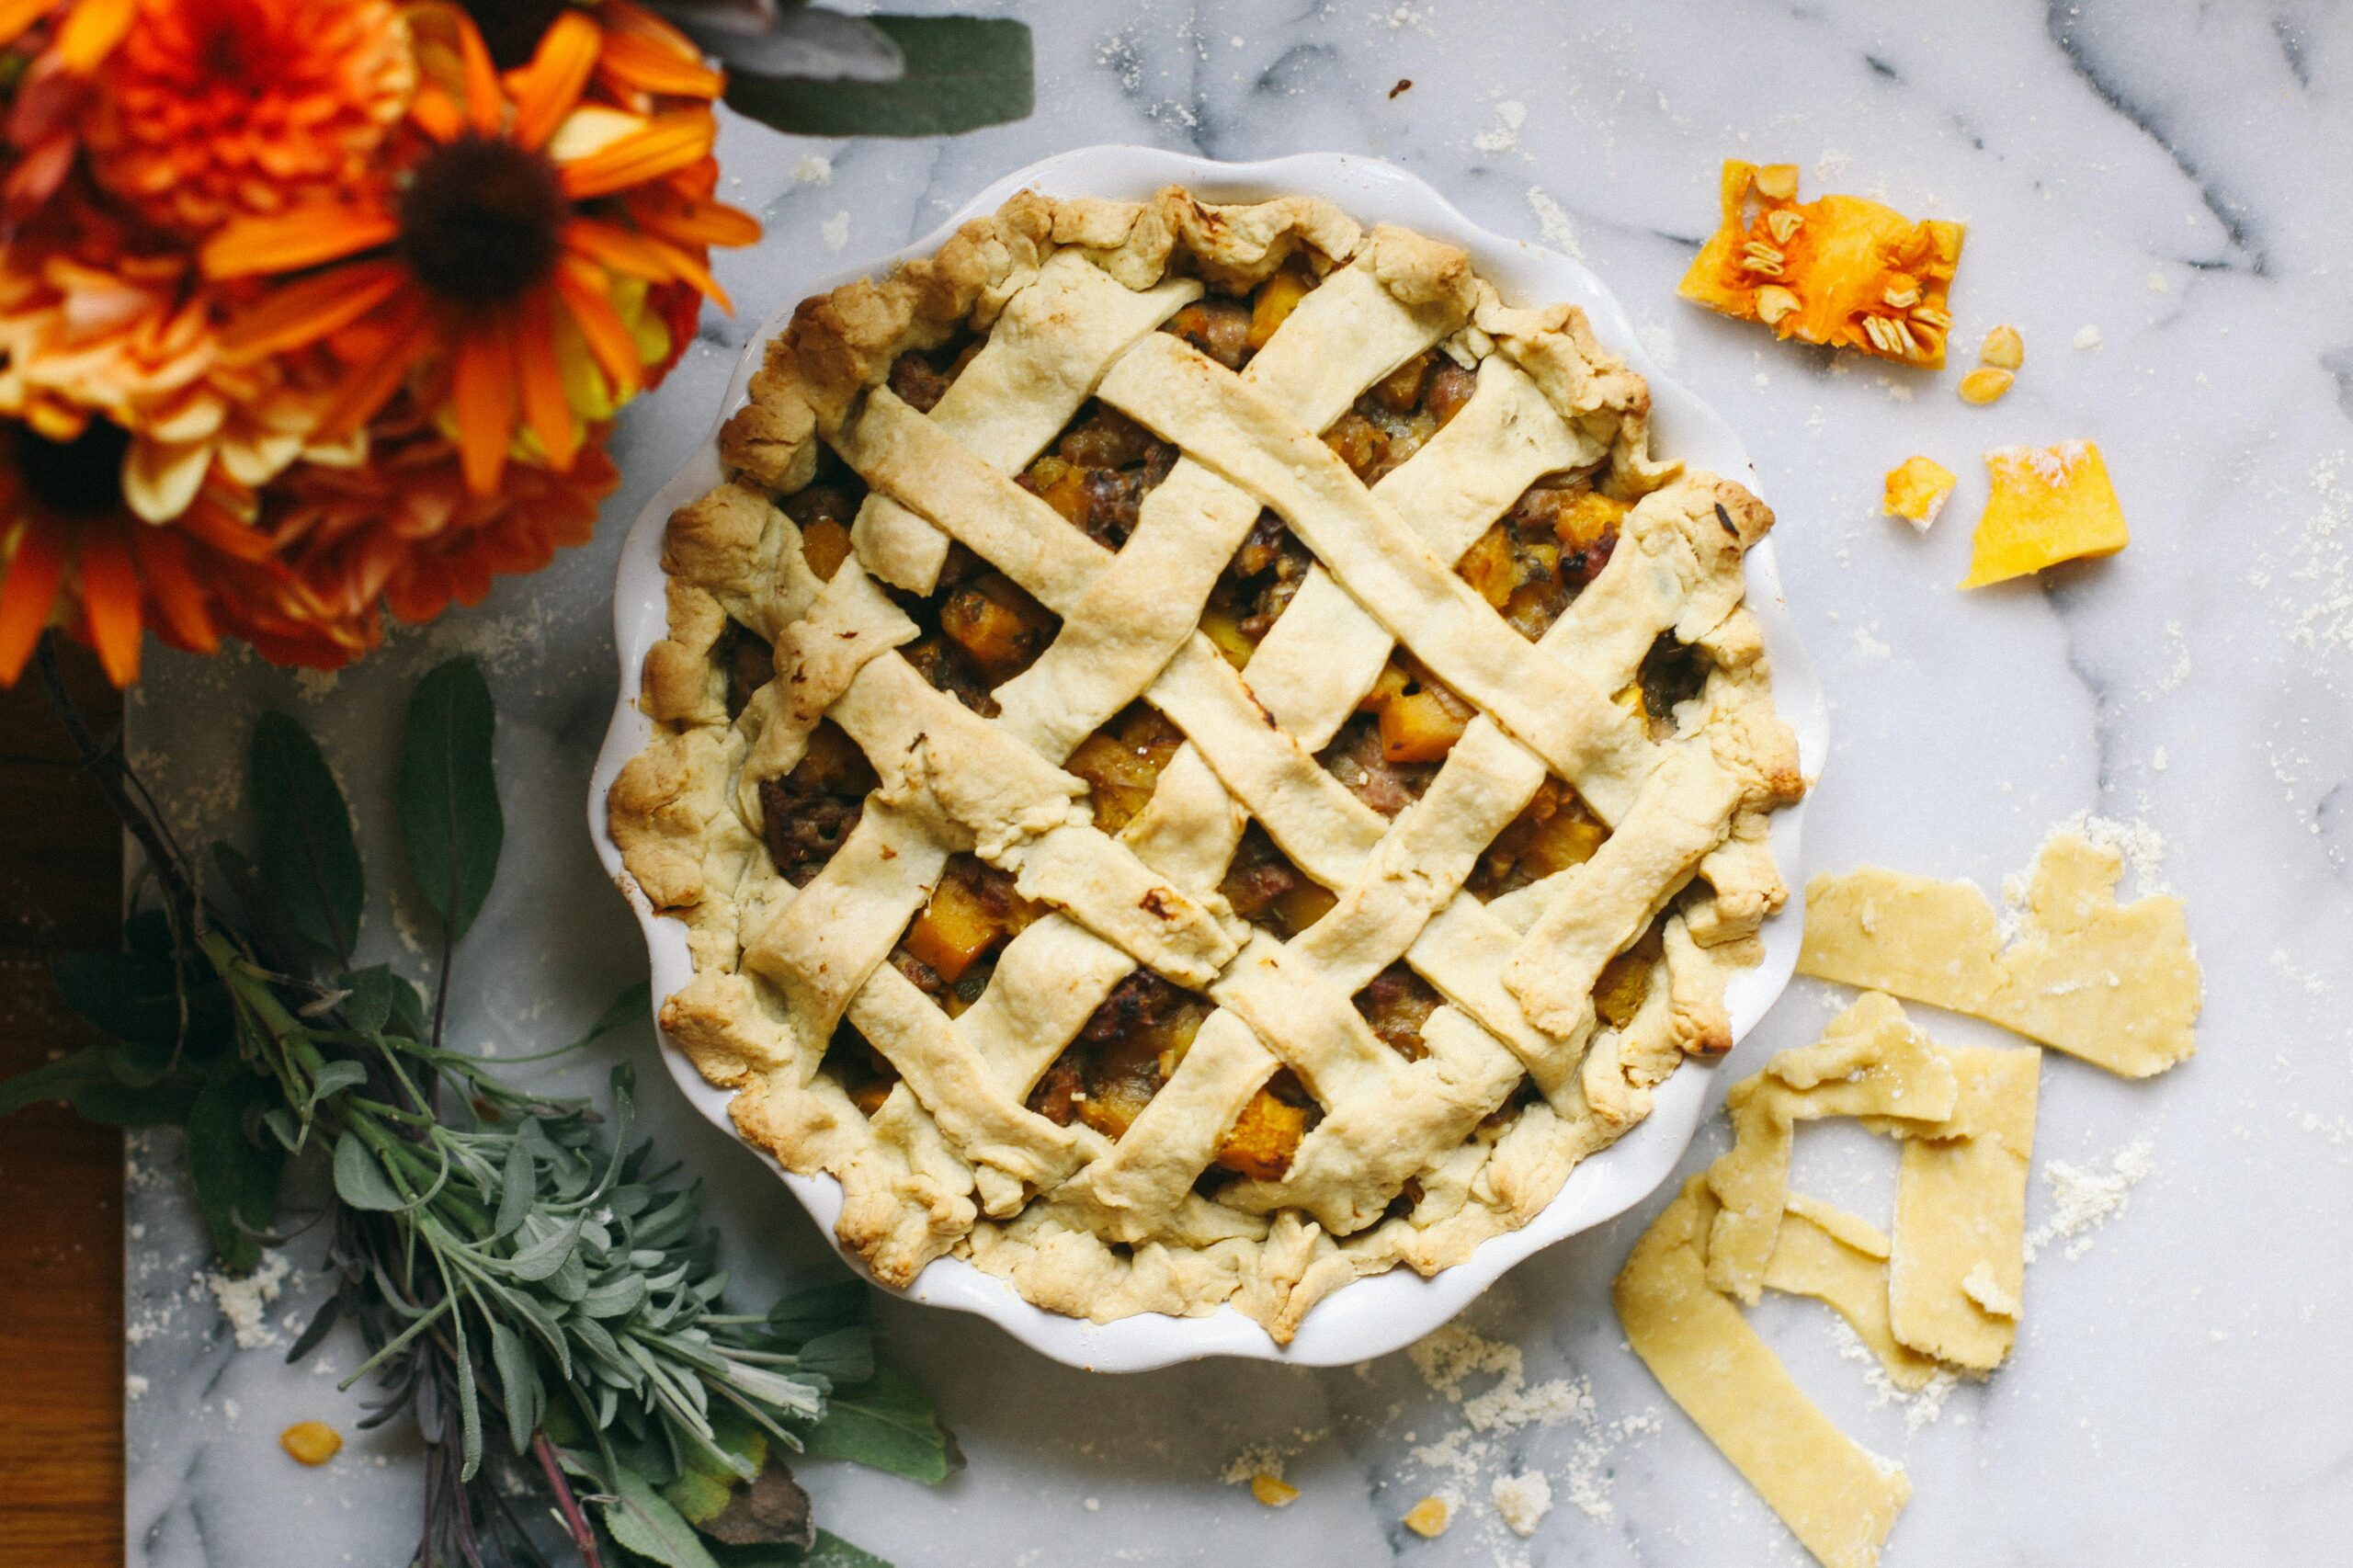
[980,629]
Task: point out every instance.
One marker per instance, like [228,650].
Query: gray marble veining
[2171,175]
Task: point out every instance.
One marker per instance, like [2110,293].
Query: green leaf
[266,921]
[235,1176]
[635,1001]
[373,996]
[126,996]
[644,1522]
[818,1310]
[92,1081]
[542,1258]
[308,855]
[334,1077]
[844,1358]
[360,1178]
[449,817]
[518,1185]
[962,72]
[831,1552]
[887,1423]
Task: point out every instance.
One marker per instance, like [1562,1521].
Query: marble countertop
[2164,173]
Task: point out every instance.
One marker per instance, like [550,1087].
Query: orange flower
[506,281]
[406,530]
[90,323]
[73,554]
[67,40]
[209,108]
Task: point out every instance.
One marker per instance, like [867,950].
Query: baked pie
[1201,754]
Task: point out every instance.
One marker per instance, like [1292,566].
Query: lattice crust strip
[1071,296]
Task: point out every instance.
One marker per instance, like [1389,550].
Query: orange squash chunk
[1839,271]
[825,544]
[971,911]
[1275,300]
[2049,505]
[1001,627]
[1265,1137]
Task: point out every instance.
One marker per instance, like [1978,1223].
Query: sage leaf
[450,818]
[334,1077]
[360,1178]
[469,1404]
[518,1185]
[542,1258]
[315,1332]
[91,1081]
[830,1552]
[844,1358]
[368,1005]
[887,1423]
[643,1521]
[960,73]
[518,1383]
[308,855]
[127,996]
[235,1176]
[805,1314]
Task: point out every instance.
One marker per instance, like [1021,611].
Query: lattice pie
[1202,755]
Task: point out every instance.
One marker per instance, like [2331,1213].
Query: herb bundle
[532,1288]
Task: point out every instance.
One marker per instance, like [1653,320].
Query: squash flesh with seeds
[1861,274]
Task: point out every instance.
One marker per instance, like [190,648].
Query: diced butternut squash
[2048,505]
[1122,767]
[1487,566]
[1391,682]
[954,928]
[1916,491]
[1428,1517]
[1226,632]
[1275,300]
[1061,485]
[1587,518]
[1302,906]
[1265,1137]
[825,544]
[1001,628]
[1838,270]
[1570,836]
[1422,724]
[1626,980]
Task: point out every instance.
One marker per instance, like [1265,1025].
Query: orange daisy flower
[505,278]
[212,107]
[66,41]
[72,553]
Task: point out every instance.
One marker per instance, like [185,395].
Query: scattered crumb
[814,168]
[835,230]
[243,1300]
[1404,83]
[1095,1504]
[1657,339]
[2158,761]
[316,683]
[1523,1500]
[135,1387]
[2086,1198]
[1427,1518]
[2087,337]
[1867,645]
[1503,136]
[2158,283]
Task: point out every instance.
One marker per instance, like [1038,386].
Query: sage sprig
[536,1291]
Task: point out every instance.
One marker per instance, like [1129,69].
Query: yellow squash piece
[1838,270]
[1917,489]
[1273,1491]
[955,929]
[311,1442]
[2049,505]
[1428,1517]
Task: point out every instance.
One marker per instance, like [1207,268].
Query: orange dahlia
[505,280]
[208,108]
[73,554]
[53,49]
[405,530]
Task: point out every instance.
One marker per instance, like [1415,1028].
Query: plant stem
[583,1535]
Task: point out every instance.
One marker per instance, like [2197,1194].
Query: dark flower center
[482,221]
[511,28]
[80,478]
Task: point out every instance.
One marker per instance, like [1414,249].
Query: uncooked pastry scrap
[1871,1062]
[2115,984]
[1836,1497]
[1961,1214]
[1841,1261]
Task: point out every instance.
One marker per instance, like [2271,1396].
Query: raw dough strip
[1870,1061]
[1841,1261]
[1838,1499]
[1957,1271]
[2117,985]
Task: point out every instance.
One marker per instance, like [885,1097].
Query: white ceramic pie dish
[1371,1316]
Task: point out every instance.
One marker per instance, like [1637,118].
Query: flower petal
[616,249]
[671,141]
[16,16]
[546,89]
[110,598]
[211,525]
[582,285]
[28,586]
[639,64]
[160,478]
[88,36]
[171,589]
[482,395]
[287,242]
[546,409]
[378,375]
[435,113]
[305,311]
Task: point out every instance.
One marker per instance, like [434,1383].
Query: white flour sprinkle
[2087,337]
[1554,223]
[814,168]
[835,230]
[1523,1500]
[1924,1407]
[1504,135]
[2086,1198]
